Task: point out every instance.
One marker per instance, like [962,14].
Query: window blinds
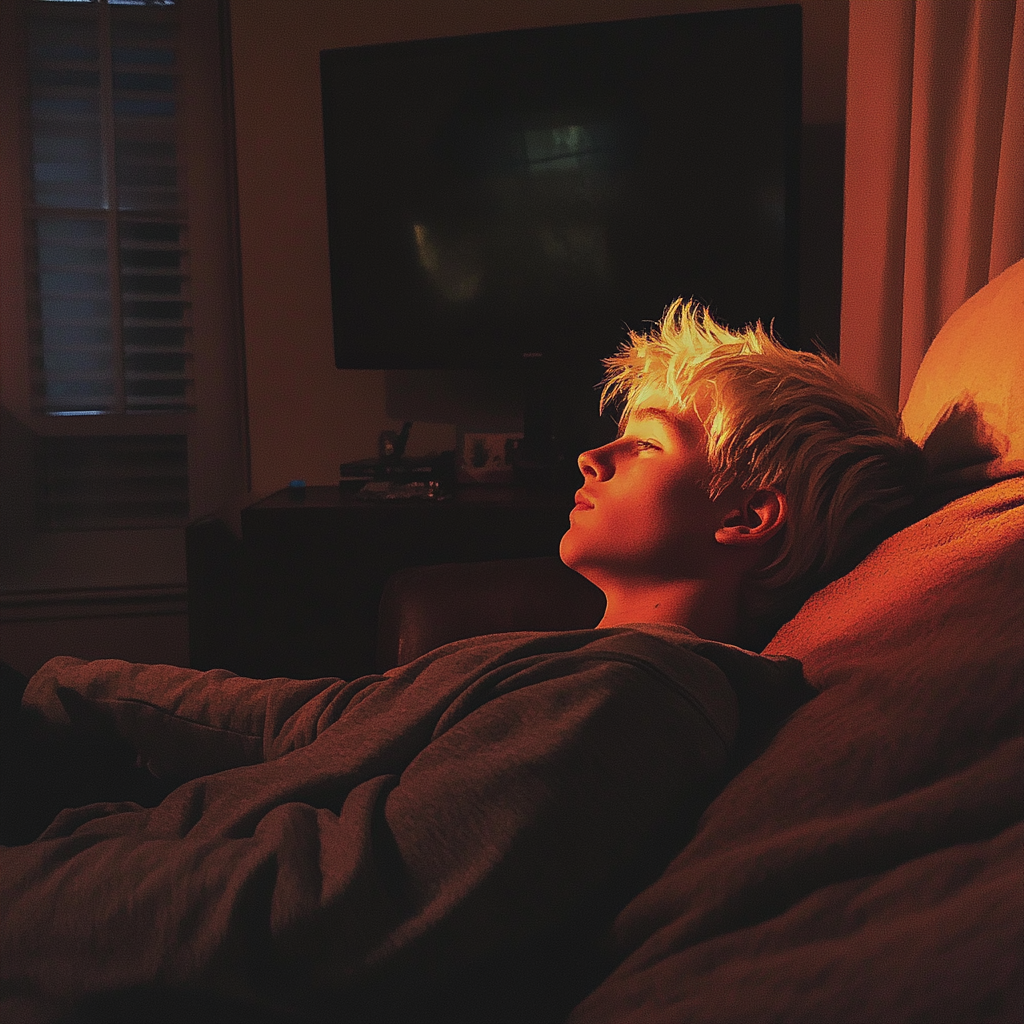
[108,266]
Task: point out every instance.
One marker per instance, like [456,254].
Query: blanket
[442,841]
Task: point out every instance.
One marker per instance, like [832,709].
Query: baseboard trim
[93,603]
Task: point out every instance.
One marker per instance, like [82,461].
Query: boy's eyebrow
[645,413]
[663,416]
[681,426]
[649,413]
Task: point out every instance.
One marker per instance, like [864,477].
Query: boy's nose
[593,463]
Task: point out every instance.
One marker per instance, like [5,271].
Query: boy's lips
[582,501]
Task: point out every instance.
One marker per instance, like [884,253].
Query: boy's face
[643,512]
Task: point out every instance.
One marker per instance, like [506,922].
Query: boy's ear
[756,518]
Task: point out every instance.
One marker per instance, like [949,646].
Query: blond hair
[778,418]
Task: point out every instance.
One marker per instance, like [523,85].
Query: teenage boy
[445,841]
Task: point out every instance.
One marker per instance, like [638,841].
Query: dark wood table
[312,566]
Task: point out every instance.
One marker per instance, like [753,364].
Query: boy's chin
[568,549]
[573,553]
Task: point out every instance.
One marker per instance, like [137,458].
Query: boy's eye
[643,445]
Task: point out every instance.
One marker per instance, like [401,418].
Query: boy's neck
[708,608]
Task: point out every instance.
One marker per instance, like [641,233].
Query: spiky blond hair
[780,418]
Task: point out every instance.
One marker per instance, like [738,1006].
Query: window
[120,365]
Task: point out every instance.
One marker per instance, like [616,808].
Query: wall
[304,415]
[144,626]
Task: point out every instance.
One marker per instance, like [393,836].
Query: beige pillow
[967,404]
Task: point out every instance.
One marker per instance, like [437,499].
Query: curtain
[934,192]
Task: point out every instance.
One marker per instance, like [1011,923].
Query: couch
[868,866]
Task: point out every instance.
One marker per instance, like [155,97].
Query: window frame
[33,559]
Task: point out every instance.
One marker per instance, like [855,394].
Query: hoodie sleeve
[182,723]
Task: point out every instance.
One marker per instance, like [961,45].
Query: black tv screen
[526,195]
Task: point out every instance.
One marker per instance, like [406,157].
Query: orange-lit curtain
[934,194]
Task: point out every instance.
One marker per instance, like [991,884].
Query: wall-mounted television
[527,195]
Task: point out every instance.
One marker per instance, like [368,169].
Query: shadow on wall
[17,446]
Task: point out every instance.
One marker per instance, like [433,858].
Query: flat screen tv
[526,195]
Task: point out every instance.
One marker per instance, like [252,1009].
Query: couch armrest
[426,606]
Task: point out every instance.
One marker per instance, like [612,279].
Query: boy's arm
[182,723]
[431,854]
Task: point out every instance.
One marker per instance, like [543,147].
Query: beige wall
[142,627]
[304,415]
